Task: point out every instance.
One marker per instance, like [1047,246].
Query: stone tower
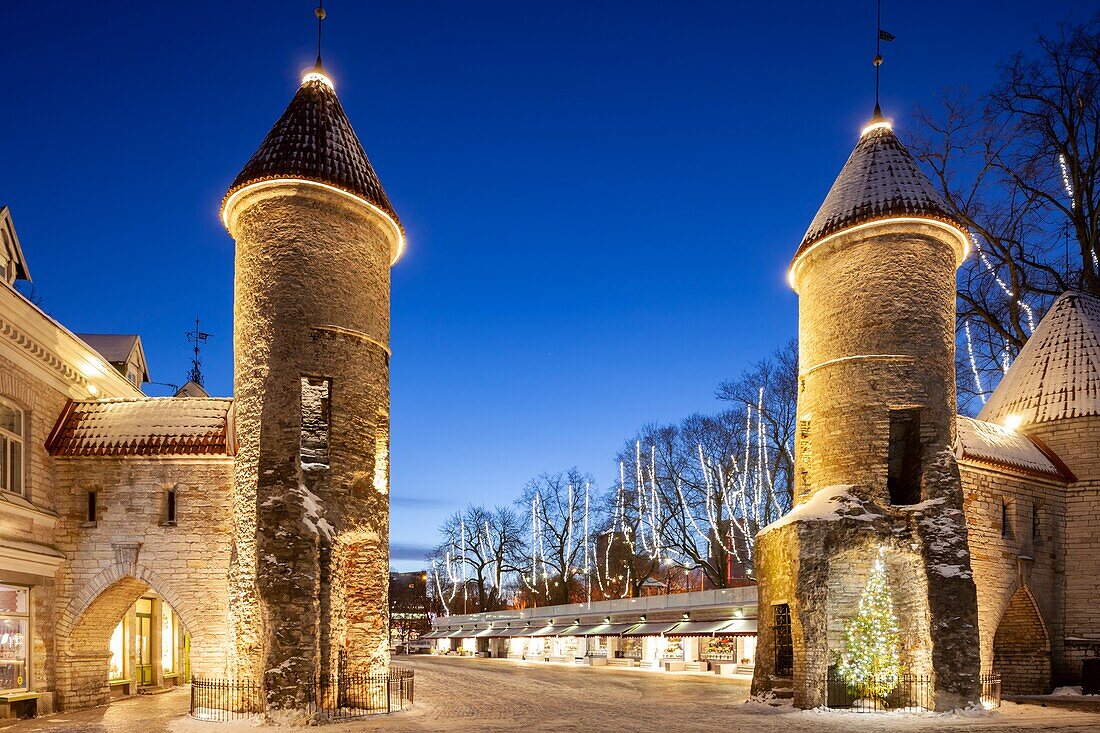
[315,237]
[875,468]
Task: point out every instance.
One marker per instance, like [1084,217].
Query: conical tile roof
[313,141]
[880,181]
[1057,374]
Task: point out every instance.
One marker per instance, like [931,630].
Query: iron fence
[905,692]
[991,690]
[325,700]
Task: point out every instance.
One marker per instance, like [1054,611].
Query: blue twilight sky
[601,198]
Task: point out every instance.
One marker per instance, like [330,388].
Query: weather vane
[198,338]
[879,38]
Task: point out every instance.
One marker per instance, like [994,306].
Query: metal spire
[880,36]
[320,13]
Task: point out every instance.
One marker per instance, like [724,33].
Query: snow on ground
[462,695]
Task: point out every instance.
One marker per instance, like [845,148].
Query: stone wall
[876,332]
[1076,441]
[310,570]
[131,548]
[1023,554]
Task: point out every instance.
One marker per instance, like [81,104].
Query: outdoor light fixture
[686,616]
[642,617]
[577,621]
[1013,421]
[607,619]
[739,613]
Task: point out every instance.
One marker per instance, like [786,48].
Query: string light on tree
[871,663]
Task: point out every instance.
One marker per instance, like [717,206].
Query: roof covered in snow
[1057,374]
[153,426]
[996,445]
[880,181]
[314,141]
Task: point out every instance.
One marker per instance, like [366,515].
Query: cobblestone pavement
[490,695]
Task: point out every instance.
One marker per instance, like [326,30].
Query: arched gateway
[169,625]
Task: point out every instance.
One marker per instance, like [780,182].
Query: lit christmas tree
[870,663]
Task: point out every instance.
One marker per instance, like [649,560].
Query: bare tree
[477,551]
[1021,167]
[560,550]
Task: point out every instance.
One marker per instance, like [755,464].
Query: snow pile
[313,519]
[830,504]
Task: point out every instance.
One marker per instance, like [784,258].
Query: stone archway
[1021,647]
[85,626]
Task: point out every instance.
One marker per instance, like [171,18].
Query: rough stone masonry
[315,238]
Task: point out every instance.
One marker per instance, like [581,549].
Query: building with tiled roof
[162,426]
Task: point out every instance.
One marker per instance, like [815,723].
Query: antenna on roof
[320,13]
[198,338]
[880,36]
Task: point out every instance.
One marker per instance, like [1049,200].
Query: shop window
[14,617]
[93,507]
[117,669]
[784,641]
[313,444]
[903,462]
[168,639]
[13,424]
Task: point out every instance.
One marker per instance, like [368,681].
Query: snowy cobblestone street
[468,695]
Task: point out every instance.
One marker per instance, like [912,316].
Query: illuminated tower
[315,237]
[875,467]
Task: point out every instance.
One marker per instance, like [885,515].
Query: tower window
[1006,524]
[170,506]
[92,507]
[903,462]
[1036,533]
[784,641]
[313,446]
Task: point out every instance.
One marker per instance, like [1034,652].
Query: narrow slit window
[1036,533]
[1006,529]
[313,445]
[170,506]
[903,470]
[92,506]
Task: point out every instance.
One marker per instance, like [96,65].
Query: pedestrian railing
[904,692]
[324,700]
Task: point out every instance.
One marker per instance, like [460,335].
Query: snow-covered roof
[880,181]
[153,426]
[996,445]
[314,141]
[1057,373]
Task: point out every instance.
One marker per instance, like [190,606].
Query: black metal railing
[991,690]
[900,692]
[880,692]
[325,700]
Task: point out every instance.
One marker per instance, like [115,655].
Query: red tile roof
[153,426]
[314,141]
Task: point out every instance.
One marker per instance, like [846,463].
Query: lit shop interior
[149,648]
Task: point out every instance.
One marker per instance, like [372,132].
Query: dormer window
[13,424]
